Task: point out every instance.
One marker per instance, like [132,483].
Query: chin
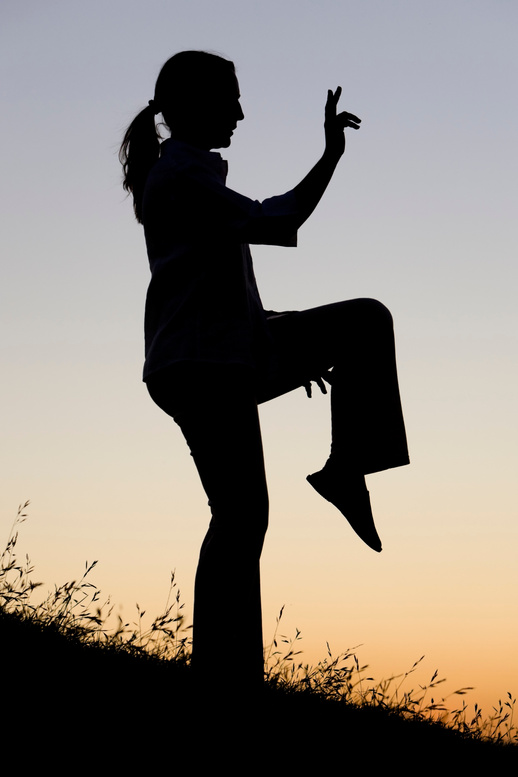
[222,143]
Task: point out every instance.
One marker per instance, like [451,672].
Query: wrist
[332,155]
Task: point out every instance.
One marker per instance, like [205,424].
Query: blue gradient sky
[421,215]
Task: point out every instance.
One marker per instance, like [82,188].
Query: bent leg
[356,340]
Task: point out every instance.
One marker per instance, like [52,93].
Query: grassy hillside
[81,698]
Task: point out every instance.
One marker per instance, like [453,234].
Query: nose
[240,114]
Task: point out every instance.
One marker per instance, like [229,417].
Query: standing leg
[215,407]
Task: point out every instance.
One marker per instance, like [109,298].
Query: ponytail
[139,151]
[180,82]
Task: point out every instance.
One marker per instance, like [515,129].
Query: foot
[350,496]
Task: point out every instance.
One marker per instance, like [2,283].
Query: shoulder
[179,158]
[171,175]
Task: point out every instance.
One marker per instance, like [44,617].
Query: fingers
[320,383]
[349,120]
[332,99]
[345,119]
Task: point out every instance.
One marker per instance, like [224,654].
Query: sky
[421,214]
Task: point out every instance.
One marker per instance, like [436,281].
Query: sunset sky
[421,215]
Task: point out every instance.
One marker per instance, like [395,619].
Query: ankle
[342,467]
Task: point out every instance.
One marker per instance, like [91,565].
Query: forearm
[309,191]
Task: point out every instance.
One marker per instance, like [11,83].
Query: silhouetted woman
[213,353]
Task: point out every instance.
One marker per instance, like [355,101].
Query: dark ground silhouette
[82,709]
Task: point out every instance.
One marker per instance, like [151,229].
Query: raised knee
[375,310]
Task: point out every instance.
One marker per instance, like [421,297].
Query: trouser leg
[355,339]
[227,599]
[219,419]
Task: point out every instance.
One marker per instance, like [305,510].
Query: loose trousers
[216,406]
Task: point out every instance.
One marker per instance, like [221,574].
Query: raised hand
[335,124]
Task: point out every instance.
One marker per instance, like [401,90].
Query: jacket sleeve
[272,221]
[200,208]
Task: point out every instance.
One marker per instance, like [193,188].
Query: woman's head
[197,93]
[198,96]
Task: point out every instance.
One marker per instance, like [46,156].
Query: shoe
[353,502]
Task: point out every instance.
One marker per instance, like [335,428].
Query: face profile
[213,121]
[229,112]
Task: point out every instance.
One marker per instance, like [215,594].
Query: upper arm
[201,208]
